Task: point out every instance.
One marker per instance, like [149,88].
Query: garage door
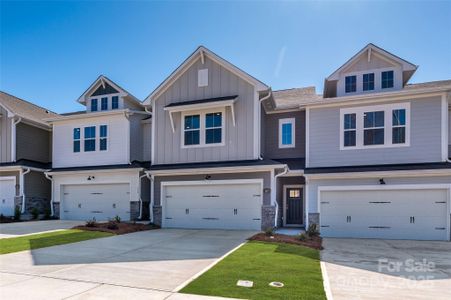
[99,201]
[7,193]
[420,214]
[213,206]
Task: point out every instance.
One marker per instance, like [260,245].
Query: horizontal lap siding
[5,136]
[425,138]
[239,139]
[36,185]
[32,143]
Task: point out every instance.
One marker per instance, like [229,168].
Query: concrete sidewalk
[32,227]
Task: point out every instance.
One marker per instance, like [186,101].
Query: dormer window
[94,105]
[104,103]
[368,82]
[115,102]
[351,84]
[387,79]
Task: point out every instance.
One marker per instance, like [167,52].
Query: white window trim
[77,140]
[94,138]
[110,102]
[107,137]
[291,121]
[97,139]
[388,125]
[377,80]
[202,128]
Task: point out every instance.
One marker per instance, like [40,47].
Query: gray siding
[36,185]
[425,138]
[271,128]
[147,141]
[136,140]
[5,136]
[281,181]
[32,143]
[239,140]
[266,176]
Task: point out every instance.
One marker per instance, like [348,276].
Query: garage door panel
[397,214]
[7,194]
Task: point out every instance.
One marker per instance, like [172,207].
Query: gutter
[14,137]
[151,178]
[285,171]
[49,177]
[140,199]
[22,181]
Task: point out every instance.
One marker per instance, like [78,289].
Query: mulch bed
[122,228]
[311,242]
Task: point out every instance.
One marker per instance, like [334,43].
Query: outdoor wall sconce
[381,181]
[207,177]
[267,190]
[91,177]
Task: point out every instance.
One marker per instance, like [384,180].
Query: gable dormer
[371,70]
[105,95]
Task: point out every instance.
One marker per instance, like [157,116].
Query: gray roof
[431,84]
[293,98]
[25,109]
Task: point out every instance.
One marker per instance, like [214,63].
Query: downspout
[127,116]
[140,199]
[22,181]
[51,194]
[151,178]
[14,138]
[260,101]
[285,171]
[146,109]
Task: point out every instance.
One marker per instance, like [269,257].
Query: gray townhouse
[214,147]
[25,154]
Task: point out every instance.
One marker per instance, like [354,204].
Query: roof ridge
[35,105]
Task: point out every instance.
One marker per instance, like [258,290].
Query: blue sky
[50,52]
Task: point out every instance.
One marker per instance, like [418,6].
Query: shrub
[269,231]
[117,219]
[34,213]
[312,230]
[17,213]
[47,214]
[302,237]
[112,225]
[91,223]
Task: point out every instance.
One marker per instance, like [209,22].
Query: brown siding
[36,185]
[32,143]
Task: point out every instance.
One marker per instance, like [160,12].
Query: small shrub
[91,223]
[34,213]
[112,225]
[117,219]
[17,213]
[312,230]
[302,237]
[47,214]
[269,231]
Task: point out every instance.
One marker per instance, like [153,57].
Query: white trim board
[212,170]
[284,204]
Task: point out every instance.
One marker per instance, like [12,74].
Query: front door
[294,206]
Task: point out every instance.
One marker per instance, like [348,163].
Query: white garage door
[213,206]
[7,193]
[99,201]
[420,214]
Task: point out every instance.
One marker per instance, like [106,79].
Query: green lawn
[42,240]
[296,266]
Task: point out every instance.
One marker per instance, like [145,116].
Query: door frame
[288,186]
[438,186]
[165,184]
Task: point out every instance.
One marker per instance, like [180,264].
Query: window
[387,79]
[76,138]
[103,137]
[90,138]
[213,128]
[399,126]
[373,122]
[94,105]
[349,130]
[286,133]
[202,78]
[368,82]
[350,84]
[115,102]
[192,130]
[104,103]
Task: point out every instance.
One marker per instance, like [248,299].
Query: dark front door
[295,206]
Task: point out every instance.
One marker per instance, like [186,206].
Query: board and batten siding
[32,143]
[239,139]
[136,140]
[118,147]
[425,138]
[147,141]
[5,136]
[271,128]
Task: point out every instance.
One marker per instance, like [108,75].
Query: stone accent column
[268,215]
[134,210]
[56,209]
[157,215]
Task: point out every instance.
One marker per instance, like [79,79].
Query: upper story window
[104,103]
[94,104]
[76,137]
[387,79]
[90,138]
[375,126]
[203,129]
[103,138]
[350,84]
[368,82]
[115,102]
[286,133]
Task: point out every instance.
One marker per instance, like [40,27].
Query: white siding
[118,146]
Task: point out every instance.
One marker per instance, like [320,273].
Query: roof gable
[201,53]
[104,89]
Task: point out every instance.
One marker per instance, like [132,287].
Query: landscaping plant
[34,213]
[17,213]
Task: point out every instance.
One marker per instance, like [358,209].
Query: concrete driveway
[148,264]
[25,228]
[387,269]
